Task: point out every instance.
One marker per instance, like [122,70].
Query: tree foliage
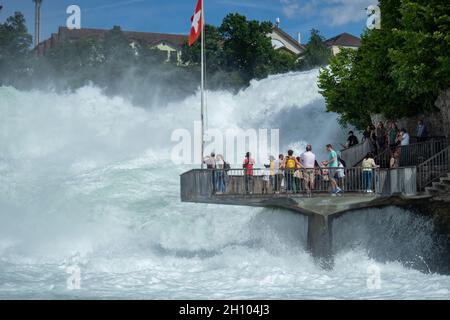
[14,49]
[317,53]
[399,69]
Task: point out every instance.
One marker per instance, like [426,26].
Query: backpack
[290,163]
[226,166]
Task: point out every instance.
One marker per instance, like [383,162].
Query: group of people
[382,138]
[288,173]
[295,174]
[389,139]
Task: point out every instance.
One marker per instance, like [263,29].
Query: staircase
[441,187]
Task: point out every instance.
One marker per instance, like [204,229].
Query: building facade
[172,44]
[343,40]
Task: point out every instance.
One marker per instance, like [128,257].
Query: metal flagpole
[203,82]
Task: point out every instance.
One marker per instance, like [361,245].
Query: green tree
[421,61]
[15,45]
[396,72]
[213,51]
[246,46]
[317,53]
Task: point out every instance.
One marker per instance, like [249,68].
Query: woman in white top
[368,165]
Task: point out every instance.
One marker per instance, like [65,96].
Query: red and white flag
[196,23]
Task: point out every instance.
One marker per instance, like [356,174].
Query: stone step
[432,191]
[441,186]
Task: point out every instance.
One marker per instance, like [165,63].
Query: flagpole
[203,83]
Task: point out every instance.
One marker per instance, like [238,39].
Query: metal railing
[413,154]
[299,181]
[353,155]
[202,184]
[433,169]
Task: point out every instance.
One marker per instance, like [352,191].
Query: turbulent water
[87,181]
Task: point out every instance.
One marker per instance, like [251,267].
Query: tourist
[404,143]
[368,165]
[422,132]
[210,161]
[340,173]
[290,163]
[352,140]
[220,174]
[298,176]
[249,162]
[381,137]
[308,160]
[266,179]
[404,138]
[273,172]
[366,134]
[392,135]
[332,163]
[394,162]
[373,139]
[278,168]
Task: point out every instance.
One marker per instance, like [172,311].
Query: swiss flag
[196,23]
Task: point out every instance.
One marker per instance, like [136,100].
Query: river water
[87,183]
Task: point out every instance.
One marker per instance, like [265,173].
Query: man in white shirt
[308,160]
[405,138]
[405,153]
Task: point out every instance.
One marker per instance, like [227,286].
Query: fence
[352,156]
[413,154]
[433,169]
[197,184]
[265,182]
[396,181]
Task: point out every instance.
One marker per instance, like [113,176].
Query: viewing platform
[404,186]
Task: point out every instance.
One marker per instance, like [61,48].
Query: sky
[331,17]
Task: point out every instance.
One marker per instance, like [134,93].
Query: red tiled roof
[148,37]
[345,40]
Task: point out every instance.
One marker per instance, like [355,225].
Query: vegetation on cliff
[399,70]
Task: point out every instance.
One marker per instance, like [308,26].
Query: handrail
[354,154]
[413,154]
[232,182]
[433,169]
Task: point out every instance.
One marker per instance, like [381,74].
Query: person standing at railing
[368,165]
[210,162]
[333,164]
[220,174]
[381,137]
[404,144]
[249,162]
[266,179]
[273,172]
[422,132]
[392,135]
[394,162]
[290,164]
[308,160]
[278,168]
[298,176]
[352,140]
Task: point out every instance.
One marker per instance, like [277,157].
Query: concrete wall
[396,181]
